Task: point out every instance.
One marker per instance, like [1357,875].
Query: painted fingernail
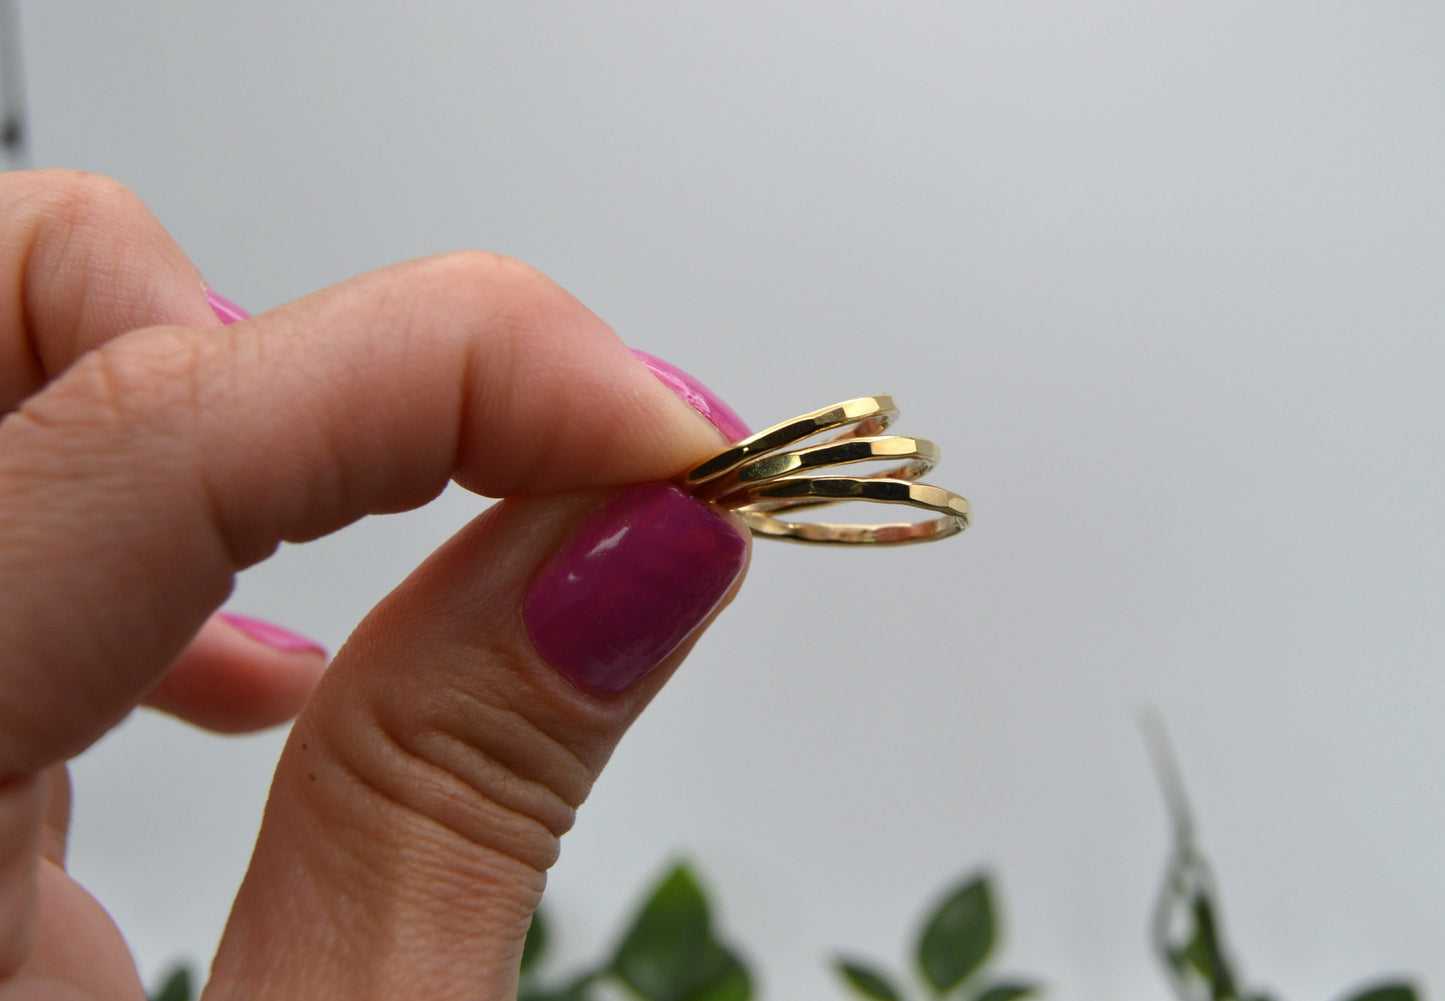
[272,635]
[224,308]
[636,580]
[698,396]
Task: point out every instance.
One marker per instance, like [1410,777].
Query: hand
[148,453]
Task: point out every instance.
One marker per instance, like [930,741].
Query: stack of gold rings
[765,477]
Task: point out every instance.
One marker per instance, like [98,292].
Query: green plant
[1187,932]
[176,986]
[670,952]
[954,944]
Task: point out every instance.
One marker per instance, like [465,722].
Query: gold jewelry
[868,414]
[919,457]
[761,477]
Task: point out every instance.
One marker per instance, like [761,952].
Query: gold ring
[868,414]
[918,455]
[764,476]
[790,493]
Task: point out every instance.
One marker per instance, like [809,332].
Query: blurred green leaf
[536,944]
[176,987]
[1006,990]
[668,941]
[1206,954]
[867,981]
[1395,991]
[734,983]
[958,937]
[1194,956]
[669,953]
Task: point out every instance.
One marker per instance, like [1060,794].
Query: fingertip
[240,675]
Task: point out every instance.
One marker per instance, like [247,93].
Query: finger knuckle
[474,766]
[500,291]
[142,384]
[486,267]
[83,201]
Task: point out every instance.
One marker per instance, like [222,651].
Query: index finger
[138,482]
[82,261]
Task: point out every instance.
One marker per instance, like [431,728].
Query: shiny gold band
[868,414]
[918,455]
[761,478]
[793,492]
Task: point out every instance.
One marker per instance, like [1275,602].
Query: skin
[148,454]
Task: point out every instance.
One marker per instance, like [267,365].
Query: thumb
[421,795]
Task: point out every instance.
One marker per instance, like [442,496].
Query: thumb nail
[637,578]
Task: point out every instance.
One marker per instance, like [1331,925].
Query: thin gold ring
[918,455]
[868,414]
[767,475]
[792,492]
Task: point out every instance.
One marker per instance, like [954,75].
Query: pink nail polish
[698,396]
[635,581]
[272,635]
[224,308]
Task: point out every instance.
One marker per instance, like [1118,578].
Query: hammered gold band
[834,489]
[919,456]
[867,414]
[762,477]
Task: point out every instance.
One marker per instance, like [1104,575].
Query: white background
[1164,281]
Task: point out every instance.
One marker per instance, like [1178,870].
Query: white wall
[1164,281]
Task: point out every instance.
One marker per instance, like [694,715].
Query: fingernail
[634,582]
[224,308]
[698,396]
[272,635]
